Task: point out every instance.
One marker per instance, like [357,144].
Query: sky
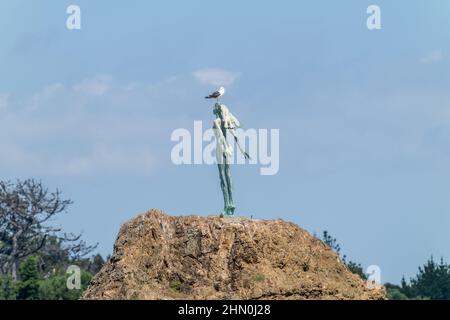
[363,115]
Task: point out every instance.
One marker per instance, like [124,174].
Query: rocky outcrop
[157,256]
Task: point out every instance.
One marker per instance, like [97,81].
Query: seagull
[216,94]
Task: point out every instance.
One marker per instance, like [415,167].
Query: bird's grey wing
[214,95]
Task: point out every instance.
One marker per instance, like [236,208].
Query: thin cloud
[97,86]
[55,131]
[216,77]
[108,160]
[432,57]
[4,101]
[33,43]
[44,96]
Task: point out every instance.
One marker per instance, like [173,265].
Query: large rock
[157,256]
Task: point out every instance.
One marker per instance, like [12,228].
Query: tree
[331,242]
[8,288]
[92,265]
[432,281]
[395,292]
[55,287]
[26,208]
[28,287]
[354,267]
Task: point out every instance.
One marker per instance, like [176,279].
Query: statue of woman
[226,121]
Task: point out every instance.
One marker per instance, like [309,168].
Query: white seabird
[216,94]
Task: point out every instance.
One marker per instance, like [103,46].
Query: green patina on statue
[225,121]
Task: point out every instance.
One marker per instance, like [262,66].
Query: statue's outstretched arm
[245,154]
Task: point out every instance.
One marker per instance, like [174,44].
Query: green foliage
[55,287]
[28,287]
[92,265]
[26,210]
[175,285]
[396,294]
[432,281]
[34,255]
[8,289]
[331,242]
[259,277]
[354,267]
[47,282]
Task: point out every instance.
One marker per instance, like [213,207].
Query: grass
[260,277]
[175,285]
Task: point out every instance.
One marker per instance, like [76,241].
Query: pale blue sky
[364,116]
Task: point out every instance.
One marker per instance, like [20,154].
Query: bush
[8,290]
[32,286]
[55,287]
[260,277]
[396,294]
[28,287]
[175,285]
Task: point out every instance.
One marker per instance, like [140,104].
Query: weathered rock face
[157,256]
